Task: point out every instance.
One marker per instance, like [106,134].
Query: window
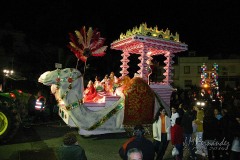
[188,83]
[186,69]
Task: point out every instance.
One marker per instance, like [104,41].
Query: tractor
[13,111]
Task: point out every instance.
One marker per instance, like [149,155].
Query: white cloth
[157,128]
[175,152]
[194,125]
[200,146]
[236,145]
[174,116]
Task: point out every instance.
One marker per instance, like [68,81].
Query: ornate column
[168,68]
[124,61]
[143,64]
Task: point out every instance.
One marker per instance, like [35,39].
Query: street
[41,142]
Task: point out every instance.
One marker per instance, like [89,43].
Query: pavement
[41,142]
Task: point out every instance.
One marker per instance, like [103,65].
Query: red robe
[177,134]
[90,93]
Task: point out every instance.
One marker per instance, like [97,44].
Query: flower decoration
[70,80]
[85,44]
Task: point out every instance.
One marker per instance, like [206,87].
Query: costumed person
[112,81]
[108,86]
[149,70]
[177,138]
[122,83]
[97,85]
[140,142]
[113,78]
[104,82]
[90,92]
[71,150]
[161,132]
[40,107]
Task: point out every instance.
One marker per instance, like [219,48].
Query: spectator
[217,114]
[161,133]
[225,131]
[201,148]
[235,129]
[174,115]
[194,111]
[187,124]
[71,150]
[211,134]
[180,110]
[134,154]
[177,138]
[138,141]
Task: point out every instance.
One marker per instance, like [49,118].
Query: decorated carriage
[133,100]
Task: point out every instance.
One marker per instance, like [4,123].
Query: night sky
[208,27]
[211,28]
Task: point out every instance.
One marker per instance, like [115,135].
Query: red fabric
[139,102]
[177,134]
[89,94]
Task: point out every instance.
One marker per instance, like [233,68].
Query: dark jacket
[71,152]
[211,128]
[180,111]
[234,128]
[225,127]
[142,143]
[186,123]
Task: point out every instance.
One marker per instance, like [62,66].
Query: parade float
[117,103]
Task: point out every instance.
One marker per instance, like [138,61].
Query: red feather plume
[85,44]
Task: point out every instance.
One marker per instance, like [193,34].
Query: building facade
[187,72]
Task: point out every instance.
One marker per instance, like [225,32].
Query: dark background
[210,28]
[206,26]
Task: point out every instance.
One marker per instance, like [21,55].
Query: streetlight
[6,73]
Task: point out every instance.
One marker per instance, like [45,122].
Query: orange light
[205,85]
[12,96]
[19,91]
